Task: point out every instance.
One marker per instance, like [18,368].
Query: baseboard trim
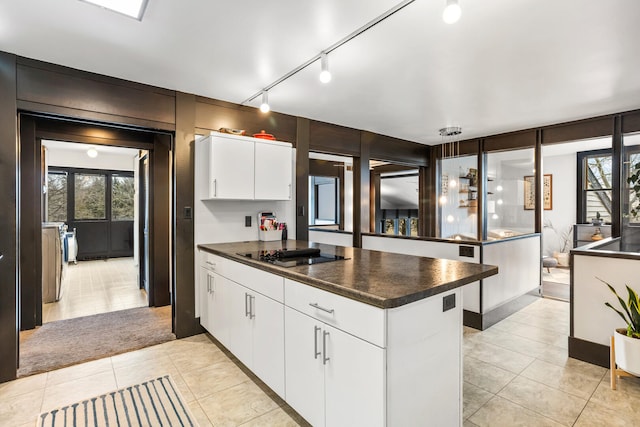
[587,351]
[490,318]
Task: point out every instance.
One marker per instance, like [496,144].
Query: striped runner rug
[156,402]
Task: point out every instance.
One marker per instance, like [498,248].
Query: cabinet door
[268,341]
[238,321]
[217,308]
[203,290]
[231,169]
[304,372]
[273,172]
[354,380]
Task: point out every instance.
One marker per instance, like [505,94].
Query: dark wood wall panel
[583,129]
[511,141]
[213,115]
[466,147]
[184,293]
[302,179]
[334,139]
[397,150]
[8,220]
[59,90]
[631,122]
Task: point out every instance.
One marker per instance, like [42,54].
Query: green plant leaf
[620,300]
[619,312]
[634,309]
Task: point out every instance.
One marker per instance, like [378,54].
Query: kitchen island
[374,339]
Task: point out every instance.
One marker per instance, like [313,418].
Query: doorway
[156,146]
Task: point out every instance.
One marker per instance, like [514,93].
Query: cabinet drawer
[359,319]
[213,262]
[255,279]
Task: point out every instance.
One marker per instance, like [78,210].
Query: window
[122,196]
[90,200]
[57,196]
[596,185]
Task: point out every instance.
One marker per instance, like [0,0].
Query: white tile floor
[92,287]
[516,373]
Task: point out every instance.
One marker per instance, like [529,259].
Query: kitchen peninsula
[374,339]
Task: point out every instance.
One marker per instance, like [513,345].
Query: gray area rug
[156,402]
[68,342]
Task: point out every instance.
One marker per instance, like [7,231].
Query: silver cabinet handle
[212,281]
[290,192]
[326,310]
[215,188]
[247,309]
[208,284]
[316,353]
[252,306]
[325,359]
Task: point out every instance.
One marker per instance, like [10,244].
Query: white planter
[563,258]
[627,352]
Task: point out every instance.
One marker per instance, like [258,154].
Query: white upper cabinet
[231,168]
[243,168]
[273,171]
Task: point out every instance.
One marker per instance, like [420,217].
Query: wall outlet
[467,251]
[448,302]
[247,221]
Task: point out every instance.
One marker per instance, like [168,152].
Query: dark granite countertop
[381,279]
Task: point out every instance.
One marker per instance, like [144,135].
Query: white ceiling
[506,65]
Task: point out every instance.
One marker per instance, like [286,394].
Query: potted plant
[627,341]
[597,220]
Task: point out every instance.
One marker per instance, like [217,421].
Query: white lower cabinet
[332,378]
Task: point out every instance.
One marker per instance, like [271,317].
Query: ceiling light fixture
[92,152]
[132,8]
[452,12]
[325,74]
[330,49]
[264,106]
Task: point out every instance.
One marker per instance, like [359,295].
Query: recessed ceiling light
[133,8]
[92,152]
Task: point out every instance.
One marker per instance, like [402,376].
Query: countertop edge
[366,298]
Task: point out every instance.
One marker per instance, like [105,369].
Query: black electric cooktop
[292,257]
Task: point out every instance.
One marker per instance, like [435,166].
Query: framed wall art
[530,192]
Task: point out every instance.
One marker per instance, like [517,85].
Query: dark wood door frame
[34,128]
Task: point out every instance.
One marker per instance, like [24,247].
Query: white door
[217,308]
[354,380]
[268,341]
[304,372]
[231,169]
[238,321]
[273,171]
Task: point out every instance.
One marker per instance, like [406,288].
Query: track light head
[264,106]
[325,74]
[452,12]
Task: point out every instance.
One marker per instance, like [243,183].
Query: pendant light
[325,74]
[264,106]
[452,12]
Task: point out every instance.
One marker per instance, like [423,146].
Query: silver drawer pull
[212,264]
[315,305]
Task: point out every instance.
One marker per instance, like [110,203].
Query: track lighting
[325,74]
[264,106]
[452,12]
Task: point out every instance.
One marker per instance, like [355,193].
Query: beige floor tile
[498,356]
[22,386]
[512,342]
[499,412]
[237,405]
[184,389]
[21,409]
[569,379]
[473,398]
[547,401]
[136,357]
[468,423]
[78,371]
[76,390]
[486,376]
[624,400]
[204,382]
[152,368]
[595,415]
[205,355]
[277,417]
[199,415]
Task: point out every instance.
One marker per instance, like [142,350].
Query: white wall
[563,215]
[79,159]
